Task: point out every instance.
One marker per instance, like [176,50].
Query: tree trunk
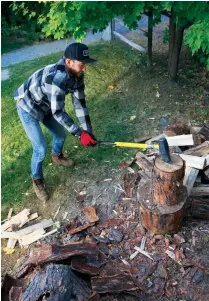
[112,29]
[150,30]
[176,53]
[172,32]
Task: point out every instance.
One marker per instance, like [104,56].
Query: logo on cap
[85,52]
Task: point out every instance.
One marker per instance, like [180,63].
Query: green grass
[134,93]
[12,43]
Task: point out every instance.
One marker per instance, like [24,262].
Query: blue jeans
[34,132]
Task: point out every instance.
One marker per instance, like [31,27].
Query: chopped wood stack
[13,230]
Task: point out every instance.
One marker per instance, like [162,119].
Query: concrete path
[41,49]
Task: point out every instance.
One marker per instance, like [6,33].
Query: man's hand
[87,139]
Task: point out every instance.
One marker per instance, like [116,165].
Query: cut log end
[177,164]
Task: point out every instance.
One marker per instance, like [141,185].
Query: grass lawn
[118,86]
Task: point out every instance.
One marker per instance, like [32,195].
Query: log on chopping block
[198,208]
[167,181]
[159,219]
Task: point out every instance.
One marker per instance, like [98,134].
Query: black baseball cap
[79,52]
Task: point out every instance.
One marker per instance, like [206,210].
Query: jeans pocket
[25,117]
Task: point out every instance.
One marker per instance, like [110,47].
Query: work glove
[87,139]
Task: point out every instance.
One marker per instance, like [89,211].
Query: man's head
[76,58]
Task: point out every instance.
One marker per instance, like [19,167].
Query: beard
[74,73]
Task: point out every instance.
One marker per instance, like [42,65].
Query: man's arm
[81,110]
[56,95]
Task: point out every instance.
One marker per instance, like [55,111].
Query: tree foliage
[60,19]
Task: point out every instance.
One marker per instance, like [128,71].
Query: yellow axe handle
[136,145]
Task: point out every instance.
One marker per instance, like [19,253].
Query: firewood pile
[115,258]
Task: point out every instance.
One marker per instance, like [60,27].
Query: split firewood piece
[200,191]
[177,128]
[17,235]
[205,131]
[142,139]
[9,214]
[125,164]
[155,139]
[17,219]
[36,235]
[113,284]
[32,237]
[190,178]
[144,163]
[200,150]
[198,208]
[182,140]
[31,217]
[90,214]
[193,161]
[11,243]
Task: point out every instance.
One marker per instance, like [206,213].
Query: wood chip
[9,214]
[65,215]
[32,237]
[17,235]
[143,252]
[16,219]
[11,243]
[170,254]
[56,212]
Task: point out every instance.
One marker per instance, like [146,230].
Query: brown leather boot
[61,160]
[40,190]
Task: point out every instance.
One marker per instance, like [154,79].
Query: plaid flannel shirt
[43,94]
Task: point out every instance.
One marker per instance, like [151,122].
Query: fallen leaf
[10,158]
[132,117]
[110,87]
[8,251]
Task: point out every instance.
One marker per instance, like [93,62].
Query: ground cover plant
[125,101]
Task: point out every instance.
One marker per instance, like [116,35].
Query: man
[42,99]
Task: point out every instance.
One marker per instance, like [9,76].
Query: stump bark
[163,212]
[167,180]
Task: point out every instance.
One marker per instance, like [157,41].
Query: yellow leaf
[157,94]
[132,117]
[10,158]
[110,87]
[50,164]
[8,251]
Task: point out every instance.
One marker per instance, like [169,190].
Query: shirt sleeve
[81,110]
[56,94]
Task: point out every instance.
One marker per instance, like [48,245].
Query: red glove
[87,139]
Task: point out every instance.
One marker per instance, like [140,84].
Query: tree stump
[162,212]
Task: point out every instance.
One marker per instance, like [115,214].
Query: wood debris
[26,235]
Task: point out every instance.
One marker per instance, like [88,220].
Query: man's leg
[59,136]
[37,139]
